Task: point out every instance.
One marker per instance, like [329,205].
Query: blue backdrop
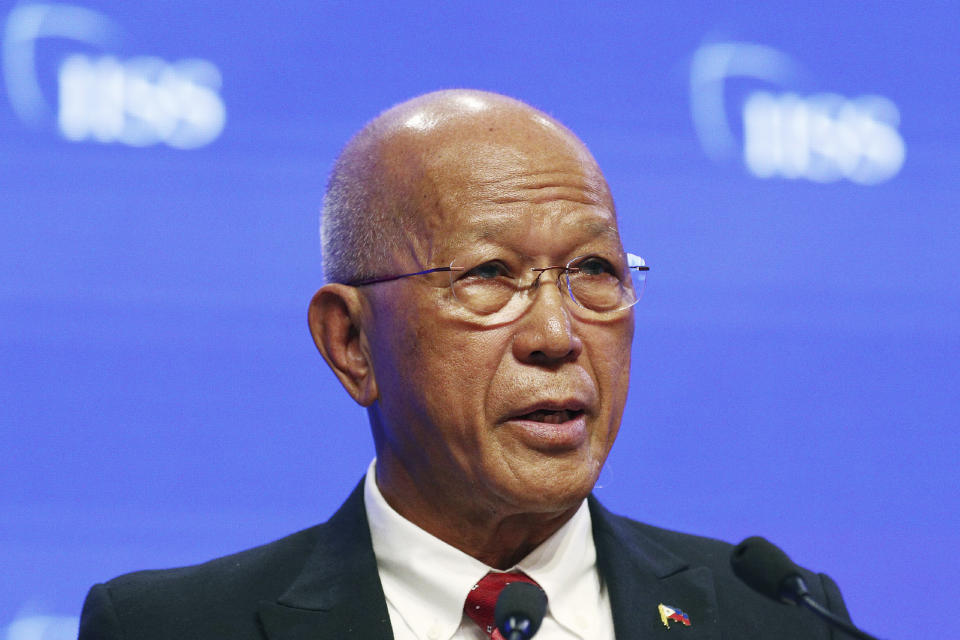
[788,170]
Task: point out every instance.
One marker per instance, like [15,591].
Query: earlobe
[336,324]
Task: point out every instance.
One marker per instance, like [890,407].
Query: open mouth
[550,416]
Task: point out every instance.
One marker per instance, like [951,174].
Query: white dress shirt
[426,581]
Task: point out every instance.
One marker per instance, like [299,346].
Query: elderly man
[479,305]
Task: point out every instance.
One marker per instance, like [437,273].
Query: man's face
[511,417]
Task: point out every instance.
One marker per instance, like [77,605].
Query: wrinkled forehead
[500,170]
[473,166]
[529,235]
[480,192]
[480,167]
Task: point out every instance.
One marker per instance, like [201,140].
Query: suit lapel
[338,592]
[640,575]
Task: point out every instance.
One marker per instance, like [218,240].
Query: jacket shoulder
[666,552]
[218,598]
[693,549]
[262,567]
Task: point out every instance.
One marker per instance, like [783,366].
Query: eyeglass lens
[592,283]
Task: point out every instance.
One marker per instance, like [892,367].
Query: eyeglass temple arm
[362,283]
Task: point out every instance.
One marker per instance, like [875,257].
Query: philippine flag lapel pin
[672,613]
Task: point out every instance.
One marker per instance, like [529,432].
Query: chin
[553,490]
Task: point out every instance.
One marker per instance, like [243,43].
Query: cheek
[610,358]
[453,369]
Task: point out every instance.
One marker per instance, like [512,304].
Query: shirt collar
[429,579]
[565,566]
[424,577]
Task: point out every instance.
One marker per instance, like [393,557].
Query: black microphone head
[519,610]
[767,569]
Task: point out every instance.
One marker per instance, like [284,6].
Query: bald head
[392,179]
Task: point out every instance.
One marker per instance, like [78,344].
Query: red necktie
[483,598]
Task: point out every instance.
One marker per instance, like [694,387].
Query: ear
[336,323]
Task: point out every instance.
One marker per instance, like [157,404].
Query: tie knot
[483,598]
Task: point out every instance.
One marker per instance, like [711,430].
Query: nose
[545,333]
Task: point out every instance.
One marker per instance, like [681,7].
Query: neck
[498,537]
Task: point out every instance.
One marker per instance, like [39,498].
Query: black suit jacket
[323,583]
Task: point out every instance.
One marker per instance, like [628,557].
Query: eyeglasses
[595,284]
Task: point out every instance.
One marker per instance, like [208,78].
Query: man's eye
[595,267]
[487,271]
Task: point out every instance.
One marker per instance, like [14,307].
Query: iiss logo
[822,137]
[102,98]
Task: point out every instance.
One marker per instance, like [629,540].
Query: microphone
[766,569]
[519,610]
